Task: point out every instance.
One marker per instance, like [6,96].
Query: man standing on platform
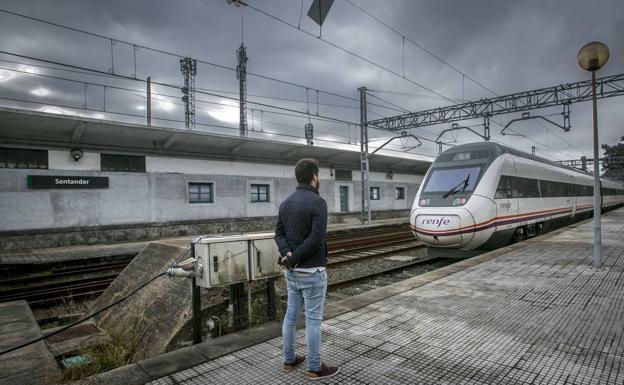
[300,237]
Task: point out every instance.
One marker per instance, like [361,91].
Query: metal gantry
[564,94]
[188,67]
[241,75]
[584,161]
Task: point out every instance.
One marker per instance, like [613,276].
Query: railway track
[364,277]
[75,283]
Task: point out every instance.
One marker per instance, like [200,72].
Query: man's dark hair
[305,169]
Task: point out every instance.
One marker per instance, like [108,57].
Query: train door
[344,199]
[573,198]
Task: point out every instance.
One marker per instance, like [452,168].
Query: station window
[23,158]
[259,192]
[374,193]
[128,163]
[399,193]
[201,193]
[343,175]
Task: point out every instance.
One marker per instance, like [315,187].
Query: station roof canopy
[26,127]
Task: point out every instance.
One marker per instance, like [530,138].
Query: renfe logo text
[437,222]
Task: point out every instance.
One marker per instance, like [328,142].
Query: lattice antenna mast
[188,67]
[241,75]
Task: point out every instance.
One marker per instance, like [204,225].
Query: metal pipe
[196,302]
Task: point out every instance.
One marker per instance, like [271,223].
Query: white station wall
[161,194]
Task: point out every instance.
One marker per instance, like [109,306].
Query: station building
[73,180]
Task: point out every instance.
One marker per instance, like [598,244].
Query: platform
[32,364]
[81,252]
[537,312]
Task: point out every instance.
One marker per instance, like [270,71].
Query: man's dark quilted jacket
[301,228]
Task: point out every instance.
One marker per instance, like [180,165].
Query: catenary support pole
[148,98]
[364,161]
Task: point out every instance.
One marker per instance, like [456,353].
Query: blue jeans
[304,290]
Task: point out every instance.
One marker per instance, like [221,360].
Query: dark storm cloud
[508,46]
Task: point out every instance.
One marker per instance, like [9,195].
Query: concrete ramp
[151,319]
[30,365]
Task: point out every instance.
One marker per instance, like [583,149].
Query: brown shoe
[325,371]
[298,361]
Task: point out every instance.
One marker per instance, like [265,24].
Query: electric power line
[108,75]
[173,86]
[267,132]
[420,46]
[337,46]
[103,73]
[169,53]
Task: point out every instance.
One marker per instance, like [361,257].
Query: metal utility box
[264,256]
[223,259]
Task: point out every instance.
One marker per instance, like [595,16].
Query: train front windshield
[445,180]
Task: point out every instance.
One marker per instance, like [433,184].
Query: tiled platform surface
[540,314]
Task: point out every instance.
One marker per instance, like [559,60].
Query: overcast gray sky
[507,46]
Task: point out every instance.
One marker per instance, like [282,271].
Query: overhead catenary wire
[162,51]
[134,91]
[171,85]
[114,76]
[108,75]
[139,93]
[266,132]
[410,94]
[404,37]
[464,75]
[207,93]
[169,53]
[343,49]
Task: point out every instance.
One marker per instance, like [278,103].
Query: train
[478,197]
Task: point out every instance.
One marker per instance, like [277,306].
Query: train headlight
[424,202]
[459,201]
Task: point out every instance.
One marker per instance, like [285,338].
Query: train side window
[545,188]
[559,189]
[503,190]
[569,189]
[525,188]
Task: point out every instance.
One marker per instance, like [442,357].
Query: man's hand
[283,261]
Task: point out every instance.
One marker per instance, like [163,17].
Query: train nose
[454,230]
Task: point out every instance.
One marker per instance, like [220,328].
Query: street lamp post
[592,57]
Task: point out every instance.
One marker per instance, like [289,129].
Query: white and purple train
[482,196]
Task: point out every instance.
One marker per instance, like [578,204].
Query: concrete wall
[161,194]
